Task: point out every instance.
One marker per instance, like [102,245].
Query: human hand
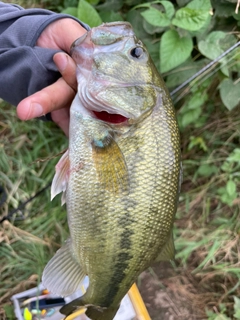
[57,97]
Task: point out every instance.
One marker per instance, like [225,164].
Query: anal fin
[63,274]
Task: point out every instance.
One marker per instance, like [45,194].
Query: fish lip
[78,41]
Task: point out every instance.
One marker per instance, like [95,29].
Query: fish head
[117,80]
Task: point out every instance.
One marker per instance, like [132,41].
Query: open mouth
[111,118]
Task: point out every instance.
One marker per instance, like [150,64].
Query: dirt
[172,294]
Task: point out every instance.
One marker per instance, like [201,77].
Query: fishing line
[202,77]
[204,69]
[21,207]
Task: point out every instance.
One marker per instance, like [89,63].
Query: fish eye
[136,52]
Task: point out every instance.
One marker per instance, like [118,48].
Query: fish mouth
[110,117]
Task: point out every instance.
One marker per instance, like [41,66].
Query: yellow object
[76,314]
[27,314]
[45,291]
[138,304]
[43,312]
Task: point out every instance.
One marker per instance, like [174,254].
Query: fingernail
[62,62]
[36,110]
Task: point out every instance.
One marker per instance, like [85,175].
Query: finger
[66,38]
[53,97]
[57,35]
[62,117]
[67,67]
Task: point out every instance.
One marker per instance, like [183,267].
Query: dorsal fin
[168,251]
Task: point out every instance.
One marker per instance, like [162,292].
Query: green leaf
[210,47]
[152,30]
[110,16]
[223,9]
[153,50]
[197,141]
[136,20]
[196,101]
[194,16]
[174,50]
[109,5]
[88,14]
[222,317]
[236,16]
[72,11]
[234,156]
[182,3]
[236,307]
[200,5]
[169,8]
[70,3]
[190,116]
[230,93]
[207,170]
[156,17]
[231,188]
[190,19]
[144,5]
[226,166]
[237,314]
[9,312]
[93,2]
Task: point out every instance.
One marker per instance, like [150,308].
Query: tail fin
[93,312]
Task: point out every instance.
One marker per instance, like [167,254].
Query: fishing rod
[21,207]
[208,66]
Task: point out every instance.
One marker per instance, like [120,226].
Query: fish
[120,177]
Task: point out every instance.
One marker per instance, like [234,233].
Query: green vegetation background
[182,37]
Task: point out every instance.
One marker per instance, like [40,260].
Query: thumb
[56,96]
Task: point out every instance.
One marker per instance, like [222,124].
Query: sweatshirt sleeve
[24,67]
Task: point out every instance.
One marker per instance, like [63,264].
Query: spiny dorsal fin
[110,165]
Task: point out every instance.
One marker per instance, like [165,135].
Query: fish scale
[122,178]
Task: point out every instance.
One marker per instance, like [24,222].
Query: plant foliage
[178,34]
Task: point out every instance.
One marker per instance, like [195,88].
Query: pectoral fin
[168,251]
[63,274]
[110,165]
[60,180]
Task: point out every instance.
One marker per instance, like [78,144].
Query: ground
[171,294]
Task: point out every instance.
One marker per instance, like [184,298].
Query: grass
[26,245]
[207,228]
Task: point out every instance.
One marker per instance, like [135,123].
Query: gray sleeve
[24,67]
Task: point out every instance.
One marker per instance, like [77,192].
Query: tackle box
[38,304]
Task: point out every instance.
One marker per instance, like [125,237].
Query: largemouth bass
[120,175]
